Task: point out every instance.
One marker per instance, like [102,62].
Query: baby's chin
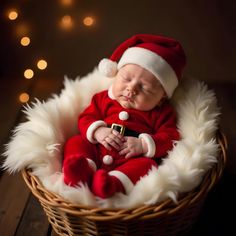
[129,105]
[126,104]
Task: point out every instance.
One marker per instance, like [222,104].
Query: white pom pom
[123,115]
[107,160]
[107,67]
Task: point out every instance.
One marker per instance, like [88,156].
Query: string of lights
[66,23]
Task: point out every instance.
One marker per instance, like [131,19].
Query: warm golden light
[42,64]
[28,74]
[24,97]
[22,29]
[66,22]
[25,41]
[88,21]
[66,2]
[12,15]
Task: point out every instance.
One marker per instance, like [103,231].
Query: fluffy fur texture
[38,143]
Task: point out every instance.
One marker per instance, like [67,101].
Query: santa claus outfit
[105,171]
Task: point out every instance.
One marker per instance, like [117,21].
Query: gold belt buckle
[119,128]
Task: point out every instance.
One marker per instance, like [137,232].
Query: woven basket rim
[144,212]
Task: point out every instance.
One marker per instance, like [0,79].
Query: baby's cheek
[141,102]
[144,104]
[122,87]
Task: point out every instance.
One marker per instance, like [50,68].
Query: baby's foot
[104,185]
[76,170]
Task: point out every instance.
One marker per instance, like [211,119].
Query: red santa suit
[106,171]
[157,127]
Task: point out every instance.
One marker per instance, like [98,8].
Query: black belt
[123,130]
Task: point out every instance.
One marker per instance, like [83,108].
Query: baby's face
[137,88]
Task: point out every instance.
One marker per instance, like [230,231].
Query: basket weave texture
[165,218]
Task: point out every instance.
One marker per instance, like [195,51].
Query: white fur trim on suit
[153,63]
[92,164]
[124,179]
[110,93]
[92,128]
[150,144]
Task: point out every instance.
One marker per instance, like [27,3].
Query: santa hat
[162,56]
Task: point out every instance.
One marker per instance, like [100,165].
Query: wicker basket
[165,218]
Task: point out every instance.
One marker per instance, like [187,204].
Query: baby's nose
[132,90]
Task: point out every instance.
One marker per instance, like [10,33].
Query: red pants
[128,171]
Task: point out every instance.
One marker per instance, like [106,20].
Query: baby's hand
[133,147]
[109,138]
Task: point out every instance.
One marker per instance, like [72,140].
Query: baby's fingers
[113,142]
[106,145]
[118,136]
[124,152]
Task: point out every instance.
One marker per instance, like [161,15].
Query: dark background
[205,28]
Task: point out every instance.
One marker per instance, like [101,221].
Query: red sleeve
[91,118]
[166,131]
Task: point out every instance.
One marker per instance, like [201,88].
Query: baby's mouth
[127,98]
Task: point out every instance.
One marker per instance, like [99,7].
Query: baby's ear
[163,99]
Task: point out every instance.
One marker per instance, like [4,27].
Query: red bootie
[76,170]
[105,186]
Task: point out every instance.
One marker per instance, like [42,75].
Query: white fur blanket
[38,143]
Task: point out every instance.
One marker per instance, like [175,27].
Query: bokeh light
[28,74]
[25,41]
[12,15]
[24,97]
[88,21]
[42,64]
[66,22]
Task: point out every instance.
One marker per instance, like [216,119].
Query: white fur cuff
[150,144]
[92,128]
[92,164]
[124,179]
